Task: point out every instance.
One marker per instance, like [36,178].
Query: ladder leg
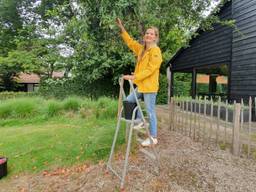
[127,154]
[115,138]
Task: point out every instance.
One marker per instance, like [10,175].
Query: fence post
[236,129]
[171,105]
[250,127]
[168,74]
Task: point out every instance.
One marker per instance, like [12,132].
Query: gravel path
[186,166]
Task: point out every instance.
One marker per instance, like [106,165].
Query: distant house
[30,82]
[223,52]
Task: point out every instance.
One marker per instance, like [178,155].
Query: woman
[146,74]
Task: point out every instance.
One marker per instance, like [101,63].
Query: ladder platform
[135,121]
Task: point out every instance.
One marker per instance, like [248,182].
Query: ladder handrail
[137,101]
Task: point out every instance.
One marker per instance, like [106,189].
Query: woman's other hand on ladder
[129,77]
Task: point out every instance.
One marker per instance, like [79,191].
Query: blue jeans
[150,102]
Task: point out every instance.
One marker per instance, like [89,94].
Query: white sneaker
[149,141]
[139,126]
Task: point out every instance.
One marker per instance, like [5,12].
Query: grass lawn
[39,143]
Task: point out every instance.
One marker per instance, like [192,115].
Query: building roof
[34,78]
[199,31]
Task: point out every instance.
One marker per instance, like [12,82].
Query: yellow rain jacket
[147,68]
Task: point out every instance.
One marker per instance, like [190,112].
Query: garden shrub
[162,96]
[10,94]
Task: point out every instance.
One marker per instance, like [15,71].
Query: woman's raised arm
[131,43]
[120,25]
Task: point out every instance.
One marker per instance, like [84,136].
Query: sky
[214,3]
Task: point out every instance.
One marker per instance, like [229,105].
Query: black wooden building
[224,51]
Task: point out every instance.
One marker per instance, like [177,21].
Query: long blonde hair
[144,44]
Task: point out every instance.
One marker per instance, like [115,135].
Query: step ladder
[149,151]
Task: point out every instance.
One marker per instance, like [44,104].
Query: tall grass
[72,103]
[35,106]
[20,108]
[53,108]
[106,108]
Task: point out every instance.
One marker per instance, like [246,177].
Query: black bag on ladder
[128,109]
